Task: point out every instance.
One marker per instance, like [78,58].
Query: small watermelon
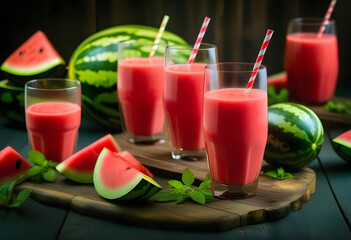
[116,178]
[342,145]
[94,64]
[295,136]
[35,58]
[12,103]
[278,80]
[80,166]
[12,165]
[134,162]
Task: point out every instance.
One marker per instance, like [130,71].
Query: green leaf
[272,173]
[34,171]
[198,196]
[4,200]
[175,183]
[280,171]
[208,195]
[287,176]
[49,175]
[167,195]
[37,158]
[21,198]
[52,164]
[205,185]
[188,177]
[182,199]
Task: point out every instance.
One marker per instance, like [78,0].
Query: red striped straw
[326,18]
[259,59]
[199,40]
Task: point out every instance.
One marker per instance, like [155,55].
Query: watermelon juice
[53,128]
[140,92]
[183,100]
[312,66]
[235,128]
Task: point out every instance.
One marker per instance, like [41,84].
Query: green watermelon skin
[94,64]
[295,136]
[12,103]
[342,145]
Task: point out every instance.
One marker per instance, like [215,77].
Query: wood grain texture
[275,199]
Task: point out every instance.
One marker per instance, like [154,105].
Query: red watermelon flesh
[80,166]
[134,162]
[12,165]
[115,178]
[342,145]
[34,57]
[279,80]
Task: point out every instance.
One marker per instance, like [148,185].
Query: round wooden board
[274,200]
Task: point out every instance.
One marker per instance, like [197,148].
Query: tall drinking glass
[140,90]
[311,61]
[53,115]
[183,99]
[235,126]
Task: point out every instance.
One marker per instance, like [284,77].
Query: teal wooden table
[327,215]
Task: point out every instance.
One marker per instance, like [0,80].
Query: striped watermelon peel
[295,136]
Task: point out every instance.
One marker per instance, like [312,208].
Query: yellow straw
[159,35]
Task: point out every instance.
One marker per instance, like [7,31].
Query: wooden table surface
[327,215]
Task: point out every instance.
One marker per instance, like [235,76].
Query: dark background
[237,27]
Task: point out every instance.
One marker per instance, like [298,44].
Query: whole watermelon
[94,64]
[12,103]
[295,136]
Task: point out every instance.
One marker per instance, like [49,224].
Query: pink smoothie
[140,92]
[183,98]
[235,131]
[312,65]
[53,128]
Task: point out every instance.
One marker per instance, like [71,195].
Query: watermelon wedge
[278,80]
[134,162]
[342,145]
[12,165]
[116,178]
[80,166]
[35,58]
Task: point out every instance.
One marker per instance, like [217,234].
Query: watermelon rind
[80,166]
[94,64]
[295,136]
[342,146]
[12,103]
[134,189]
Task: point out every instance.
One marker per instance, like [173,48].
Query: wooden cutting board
[274,200]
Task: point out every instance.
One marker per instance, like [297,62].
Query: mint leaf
[175,183]
[20,198]
[37,158]
[188,177]
[49,175]
[198,196]
[279,173]
[272,174]
[208,195]
[167,195]
[287,176]
[52,164]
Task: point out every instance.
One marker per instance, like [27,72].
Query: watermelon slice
[35,58]
[116,178]
[12,165]
[342,145]
[278,80]
[134,162]
[80,166]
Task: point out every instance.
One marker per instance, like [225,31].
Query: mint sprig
[338,107]
[45,167]
[275,96]
[279,173]
[10,200]
[180,191]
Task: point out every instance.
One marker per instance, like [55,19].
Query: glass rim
[28,84]
[312,21]
[203,46]
[214,67]
[161,42]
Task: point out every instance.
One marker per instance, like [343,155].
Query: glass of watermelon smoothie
[140,91]
[235,126]
[53,115]
[183,99]
[311,61]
